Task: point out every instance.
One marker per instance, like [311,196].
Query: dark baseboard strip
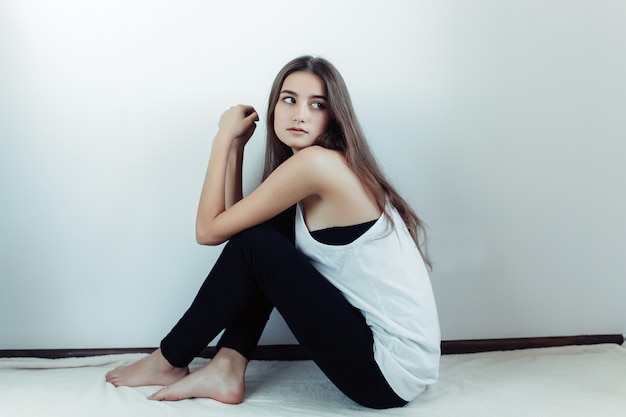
[295,352]
[489,345]
[68,353]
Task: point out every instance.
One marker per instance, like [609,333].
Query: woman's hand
[238,123]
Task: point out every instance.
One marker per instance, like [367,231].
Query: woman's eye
[289,100]
[318,105]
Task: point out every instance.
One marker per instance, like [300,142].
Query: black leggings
[259,269]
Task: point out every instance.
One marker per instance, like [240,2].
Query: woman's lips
[297,131]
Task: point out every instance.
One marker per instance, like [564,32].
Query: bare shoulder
[321,159]
[341,199]
[330,170]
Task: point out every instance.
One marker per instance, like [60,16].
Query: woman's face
[301,113]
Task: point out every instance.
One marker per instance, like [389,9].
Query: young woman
[351,282]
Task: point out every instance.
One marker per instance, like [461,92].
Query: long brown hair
[344,134]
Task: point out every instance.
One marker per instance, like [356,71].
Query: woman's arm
[234,167]
[304,174]
[222,212]
[222,182]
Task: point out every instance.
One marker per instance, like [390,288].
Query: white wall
[500,121]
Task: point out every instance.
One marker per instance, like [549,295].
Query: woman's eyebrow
[293,93]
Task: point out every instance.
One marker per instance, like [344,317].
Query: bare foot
[222,379]
[153,369]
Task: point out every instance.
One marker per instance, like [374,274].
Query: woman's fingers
[239,121]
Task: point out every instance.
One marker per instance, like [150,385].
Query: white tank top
[383,275]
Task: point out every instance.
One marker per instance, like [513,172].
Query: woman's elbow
[208,239]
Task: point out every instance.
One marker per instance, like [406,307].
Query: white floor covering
[564,381]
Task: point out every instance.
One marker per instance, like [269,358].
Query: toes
[113,380]
[113,375]
[160,395]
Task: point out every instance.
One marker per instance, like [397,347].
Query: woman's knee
[254,235]
[259,238]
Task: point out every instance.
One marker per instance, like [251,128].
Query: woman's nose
[300,114]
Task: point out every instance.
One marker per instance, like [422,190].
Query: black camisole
[341,235]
